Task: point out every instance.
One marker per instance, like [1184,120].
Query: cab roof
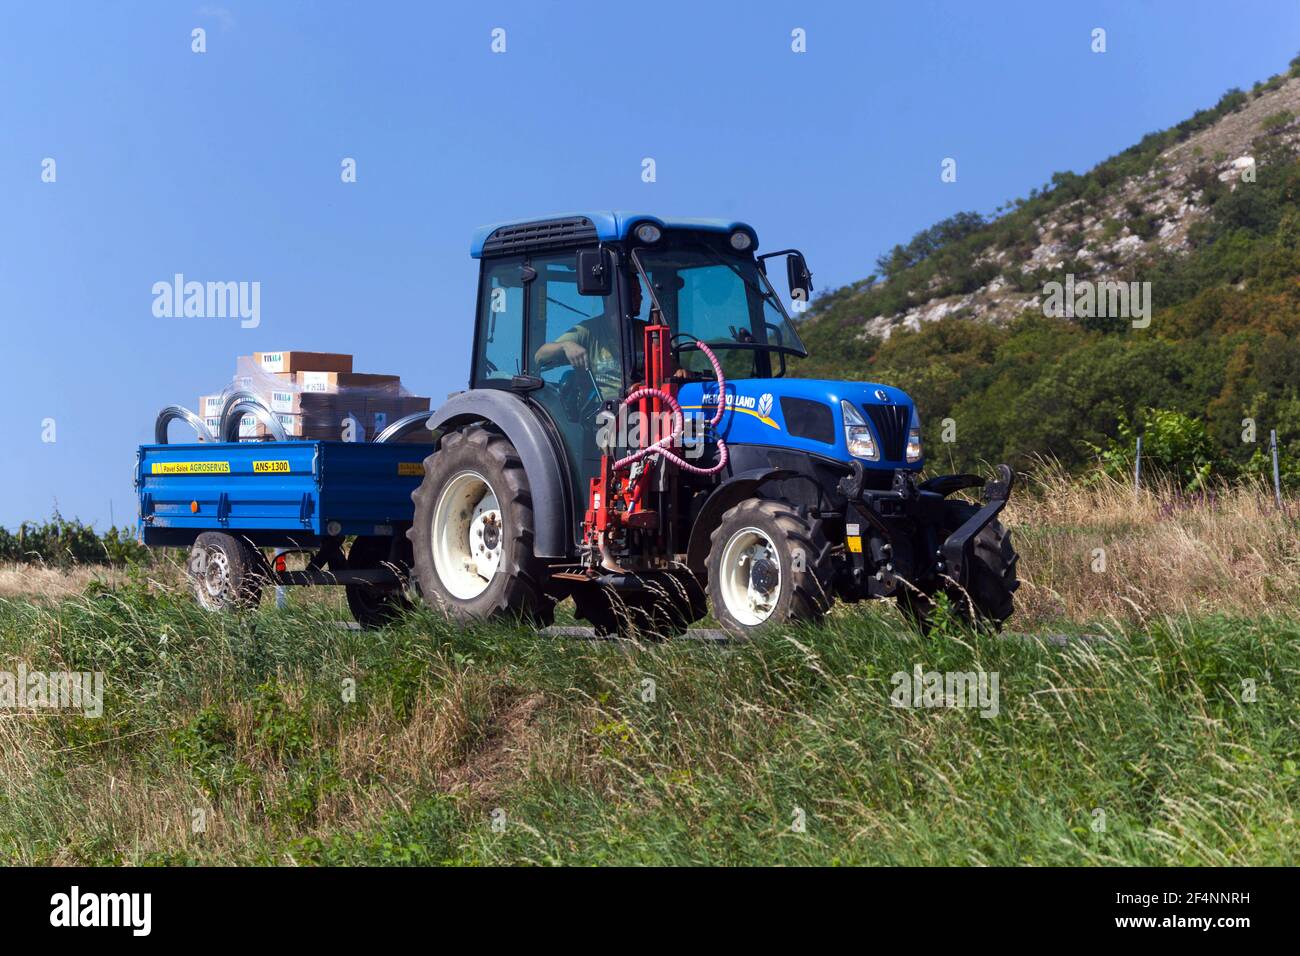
[576,227]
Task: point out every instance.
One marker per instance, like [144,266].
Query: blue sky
[225,165]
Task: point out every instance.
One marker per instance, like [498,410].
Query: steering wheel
[579,394]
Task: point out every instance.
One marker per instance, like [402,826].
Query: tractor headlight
[914,437]
[857,434]
[740,240]
[648,232]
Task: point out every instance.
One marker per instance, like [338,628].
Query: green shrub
[1174,447]
[1275,121]
[62,543]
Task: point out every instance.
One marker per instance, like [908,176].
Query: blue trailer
[227,501]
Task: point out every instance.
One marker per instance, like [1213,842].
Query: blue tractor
[630,440]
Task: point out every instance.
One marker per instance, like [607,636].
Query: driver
[593,346]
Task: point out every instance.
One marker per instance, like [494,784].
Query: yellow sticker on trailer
[410,468]
[191,468]
[270,467]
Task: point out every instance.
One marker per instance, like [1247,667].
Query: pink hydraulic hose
[661,446]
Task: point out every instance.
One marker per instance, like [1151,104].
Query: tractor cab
[563,305]
[711,288]
[702,274]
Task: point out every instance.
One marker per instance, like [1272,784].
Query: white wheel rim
[468,535]
[746,602]
[213,580]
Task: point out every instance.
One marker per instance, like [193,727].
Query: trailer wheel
[472,535]
[371,606]
[769,564]
[225,572]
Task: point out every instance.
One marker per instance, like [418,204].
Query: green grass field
[494,745]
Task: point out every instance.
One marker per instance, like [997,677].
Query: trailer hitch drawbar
[378,577]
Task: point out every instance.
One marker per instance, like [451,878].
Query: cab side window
[558,314]
[499,352]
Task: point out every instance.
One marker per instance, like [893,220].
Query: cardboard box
[304,428]
[302,361]
[382,412]
[291,402]
[334,381]
[211,405]
[322,417]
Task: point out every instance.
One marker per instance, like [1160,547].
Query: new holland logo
[760,408]
[881,395]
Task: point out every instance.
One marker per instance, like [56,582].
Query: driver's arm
[568,349]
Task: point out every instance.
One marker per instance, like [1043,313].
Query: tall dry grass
[42,582]
[1162,551]
[1097,549]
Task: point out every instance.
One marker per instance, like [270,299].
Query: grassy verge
[492,745]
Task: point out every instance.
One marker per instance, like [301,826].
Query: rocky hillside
[1207,212]
[1107,224]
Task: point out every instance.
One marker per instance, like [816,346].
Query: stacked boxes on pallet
[316,396]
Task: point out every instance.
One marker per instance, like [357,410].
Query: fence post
[1137,468]
[1277,480]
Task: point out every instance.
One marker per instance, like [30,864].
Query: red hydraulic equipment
[623,496]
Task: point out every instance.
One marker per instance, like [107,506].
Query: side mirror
[797,274]
[595,277]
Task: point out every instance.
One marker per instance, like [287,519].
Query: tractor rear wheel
[769,564]
[472,537]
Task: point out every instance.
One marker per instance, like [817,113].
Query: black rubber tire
[609,612]
[515,591]
[671,602]
[225,573]
[376,607]
[806,592]
[988,600]
[690,600]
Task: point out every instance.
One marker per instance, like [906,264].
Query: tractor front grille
[891,423]
[546,233]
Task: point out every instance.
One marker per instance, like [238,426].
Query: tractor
[631,440]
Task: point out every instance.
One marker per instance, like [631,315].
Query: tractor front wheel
[472,537]
[769,564]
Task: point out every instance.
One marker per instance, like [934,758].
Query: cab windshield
[725,301]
